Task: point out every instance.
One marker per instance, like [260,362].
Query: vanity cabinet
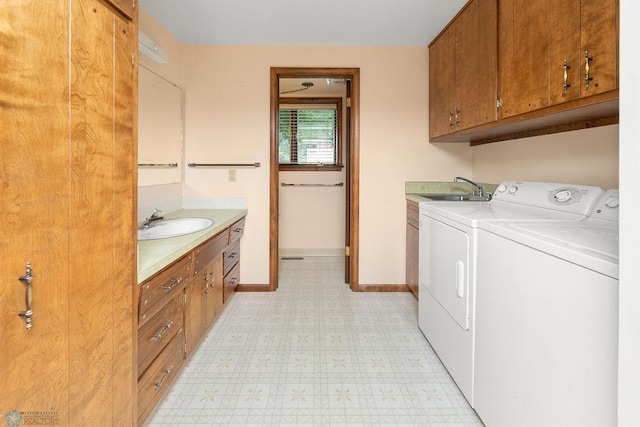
[552,52]
[232,260]
[204,295]
[176,308]
[412,266]
[463,70]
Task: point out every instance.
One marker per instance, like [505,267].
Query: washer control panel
[579,199]
[608,206]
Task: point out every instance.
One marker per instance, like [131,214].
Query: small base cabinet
[177,306]
[413,242]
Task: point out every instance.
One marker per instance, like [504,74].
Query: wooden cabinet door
[215,290]
[34,152]
[523,53]
[565,55]
[67,149]
[442,83]
[600,38]
[196,309]
[476,64]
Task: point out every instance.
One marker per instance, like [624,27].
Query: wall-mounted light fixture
[153,50]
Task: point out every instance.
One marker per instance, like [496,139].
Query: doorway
[351,163]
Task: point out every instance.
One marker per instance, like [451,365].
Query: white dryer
[448,253]
[547,321]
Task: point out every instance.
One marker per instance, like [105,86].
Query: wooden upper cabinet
[599,34]
[442,84]
[463,71]
[523,56]
[544,47]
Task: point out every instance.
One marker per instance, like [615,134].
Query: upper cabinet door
[476,64]
[600,41]
[523,52]
[555,51]
[442,84]
[463,71]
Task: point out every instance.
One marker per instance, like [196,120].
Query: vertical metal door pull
[27,279]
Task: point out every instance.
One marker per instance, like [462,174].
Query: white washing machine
[448,236]
[547,321]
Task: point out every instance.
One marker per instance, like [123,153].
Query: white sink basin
[174,228]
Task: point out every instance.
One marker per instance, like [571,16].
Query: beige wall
[587,156]
[227,119]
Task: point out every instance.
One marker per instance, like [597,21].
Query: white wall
[588,156]
[227,110]
[629,350]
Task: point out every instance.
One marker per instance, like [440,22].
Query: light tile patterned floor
[313,353]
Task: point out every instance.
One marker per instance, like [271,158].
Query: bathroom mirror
[160,130]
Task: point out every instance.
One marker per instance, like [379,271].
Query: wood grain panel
[564,23]
[124,224]
[524,53]
[33,212]
[600,36]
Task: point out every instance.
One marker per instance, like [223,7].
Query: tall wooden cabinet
[67,114]
[463,70]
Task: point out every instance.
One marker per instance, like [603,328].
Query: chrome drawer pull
[166,372]
[172,284]
[164,328]
[233,255]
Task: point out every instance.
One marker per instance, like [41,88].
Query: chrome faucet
[461,179]
[152,220]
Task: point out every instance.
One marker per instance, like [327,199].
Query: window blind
[308,135]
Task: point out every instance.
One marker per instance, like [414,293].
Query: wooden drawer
[209,250]
[231,280]
[156,380]
[231,257]
[159,289]
[413,213]
[235,231]
[158,331]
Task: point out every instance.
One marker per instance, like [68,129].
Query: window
[310,133]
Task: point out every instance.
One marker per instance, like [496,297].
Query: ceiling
[304,22]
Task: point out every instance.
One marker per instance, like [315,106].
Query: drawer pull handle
[164,328]
[587,77]
[172,284]
[165,373]
[237,230]
[233,255]
[566,84]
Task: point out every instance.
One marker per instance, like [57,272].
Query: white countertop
[154,255]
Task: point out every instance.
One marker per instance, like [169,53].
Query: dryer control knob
[613,202]
[501,188]
[563,196]
[513,189]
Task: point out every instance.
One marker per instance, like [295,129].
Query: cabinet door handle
[165,373]
[164,328]
[587,77]
[28,296]
[566,84]
[172,284]
[457,113]
[451,120]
